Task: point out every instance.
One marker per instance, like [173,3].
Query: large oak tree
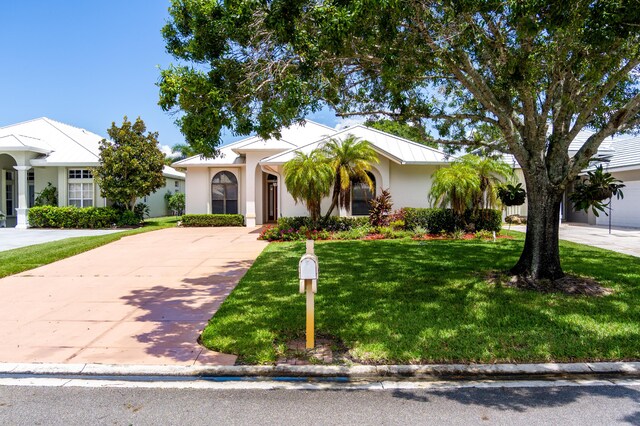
[530,74]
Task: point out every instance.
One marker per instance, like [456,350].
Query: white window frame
[83,178]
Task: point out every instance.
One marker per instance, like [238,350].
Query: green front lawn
[404,301]
[25,258]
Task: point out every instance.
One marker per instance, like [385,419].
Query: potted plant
[594,190]
[3,220]
[512,195]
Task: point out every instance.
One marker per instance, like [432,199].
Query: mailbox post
[308,274]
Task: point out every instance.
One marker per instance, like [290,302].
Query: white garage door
[626,212]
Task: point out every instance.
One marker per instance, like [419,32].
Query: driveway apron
[141,300]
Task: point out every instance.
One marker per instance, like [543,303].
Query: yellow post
[310,314]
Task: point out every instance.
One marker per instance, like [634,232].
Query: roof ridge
[22,122]
[49,121]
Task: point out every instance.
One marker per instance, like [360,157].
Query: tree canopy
[523,77]
[131,163]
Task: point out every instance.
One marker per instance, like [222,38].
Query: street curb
[460,371]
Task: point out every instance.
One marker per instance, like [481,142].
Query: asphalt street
[579,405]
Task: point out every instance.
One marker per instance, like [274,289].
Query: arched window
[224,193]
[361,195]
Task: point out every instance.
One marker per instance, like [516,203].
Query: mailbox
[308,270]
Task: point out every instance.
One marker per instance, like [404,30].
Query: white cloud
[166,150]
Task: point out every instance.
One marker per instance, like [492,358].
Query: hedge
[437,220]
[201,220]
[80,218]
[332,224]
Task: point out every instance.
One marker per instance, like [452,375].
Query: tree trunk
[335,198]
[540,258]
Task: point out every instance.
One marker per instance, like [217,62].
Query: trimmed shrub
[74,217]
[332,224]
[484,220]
[201,220]
[437,220]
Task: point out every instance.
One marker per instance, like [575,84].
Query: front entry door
[10,194]
[272,201]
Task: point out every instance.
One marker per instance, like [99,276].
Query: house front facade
[39,152]
[247,176]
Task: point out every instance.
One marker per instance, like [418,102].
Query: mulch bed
[569,284]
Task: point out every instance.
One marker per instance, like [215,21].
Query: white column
[22,222]
[250,191]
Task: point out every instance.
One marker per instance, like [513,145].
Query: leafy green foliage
[593,191]
[455,186]
[470,182]
[131,163]
[350,159]
[71,217]
[446,220]
[380,209]
[512,195]
[175,202]
[308,178]
[332,223]
[414,132]
[200,220]
[48,196]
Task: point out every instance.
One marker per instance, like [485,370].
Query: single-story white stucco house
[247,177]
[41,151]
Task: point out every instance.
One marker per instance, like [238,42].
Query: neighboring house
[247,177]
[620,156]
[39,151]
[623,162]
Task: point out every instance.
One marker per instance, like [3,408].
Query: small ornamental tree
[130,163]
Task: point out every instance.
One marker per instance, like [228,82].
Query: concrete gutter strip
[358,371]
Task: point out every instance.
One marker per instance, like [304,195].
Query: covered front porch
[17,181]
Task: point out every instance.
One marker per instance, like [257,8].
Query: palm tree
[492,173]
[456,186]
[350,161]
[308,178]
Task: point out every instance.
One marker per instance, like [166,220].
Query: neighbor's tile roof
[64,144]
[60,144]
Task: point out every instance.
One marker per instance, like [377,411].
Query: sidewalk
[141,300]
[621,240]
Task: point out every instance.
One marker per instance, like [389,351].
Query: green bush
[74,217]
[484,220]
[198,220]
[332,224]
[437,220]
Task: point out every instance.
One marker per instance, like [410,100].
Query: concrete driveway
[11,238]
[621,240]
[141,300]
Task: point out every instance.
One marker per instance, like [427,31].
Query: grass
[25,258]
[404,301]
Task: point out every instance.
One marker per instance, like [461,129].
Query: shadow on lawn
[180,313]
[408,301]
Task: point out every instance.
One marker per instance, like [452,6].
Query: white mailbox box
[308,270]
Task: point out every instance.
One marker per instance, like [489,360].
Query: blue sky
[87,63]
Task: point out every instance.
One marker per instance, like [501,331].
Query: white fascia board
[213,166]
[25,148]
[45,163]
